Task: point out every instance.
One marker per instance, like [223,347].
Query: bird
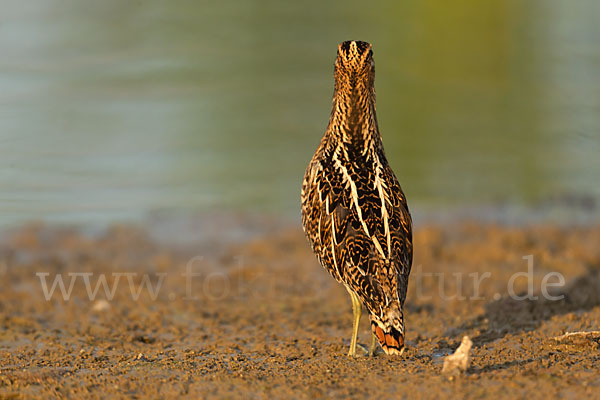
[354,212]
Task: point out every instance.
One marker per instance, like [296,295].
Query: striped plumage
[354,212]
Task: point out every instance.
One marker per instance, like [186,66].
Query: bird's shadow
[510,315]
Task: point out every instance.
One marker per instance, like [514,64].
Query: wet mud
[259,318]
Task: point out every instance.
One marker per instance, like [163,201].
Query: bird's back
[355,216]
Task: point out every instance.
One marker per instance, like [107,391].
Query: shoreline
[565,210]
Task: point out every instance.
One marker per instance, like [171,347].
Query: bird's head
[354,66]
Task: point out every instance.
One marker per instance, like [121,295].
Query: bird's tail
[389,330]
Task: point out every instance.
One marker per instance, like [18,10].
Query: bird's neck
[353,121]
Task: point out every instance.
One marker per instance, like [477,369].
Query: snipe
[354,212]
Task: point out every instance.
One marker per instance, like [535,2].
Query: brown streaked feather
[354,212]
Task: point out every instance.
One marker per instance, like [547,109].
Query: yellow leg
[356,311]
[373,347]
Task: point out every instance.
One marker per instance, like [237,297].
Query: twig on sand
[457,363]
[577,336]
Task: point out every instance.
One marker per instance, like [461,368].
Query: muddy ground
[261,319]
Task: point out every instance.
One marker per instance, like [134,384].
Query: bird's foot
[362,351]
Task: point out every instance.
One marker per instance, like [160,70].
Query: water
[110,110]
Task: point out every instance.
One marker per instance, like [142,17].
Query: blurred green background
[113,109]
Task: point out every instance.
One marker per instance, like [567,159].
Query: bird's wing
[360,230]
[400,223]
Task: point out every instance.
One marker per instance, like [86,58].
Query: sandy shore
[259,318]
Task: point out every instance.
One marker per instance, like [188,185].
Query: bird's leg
[356,311]
[373,347]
